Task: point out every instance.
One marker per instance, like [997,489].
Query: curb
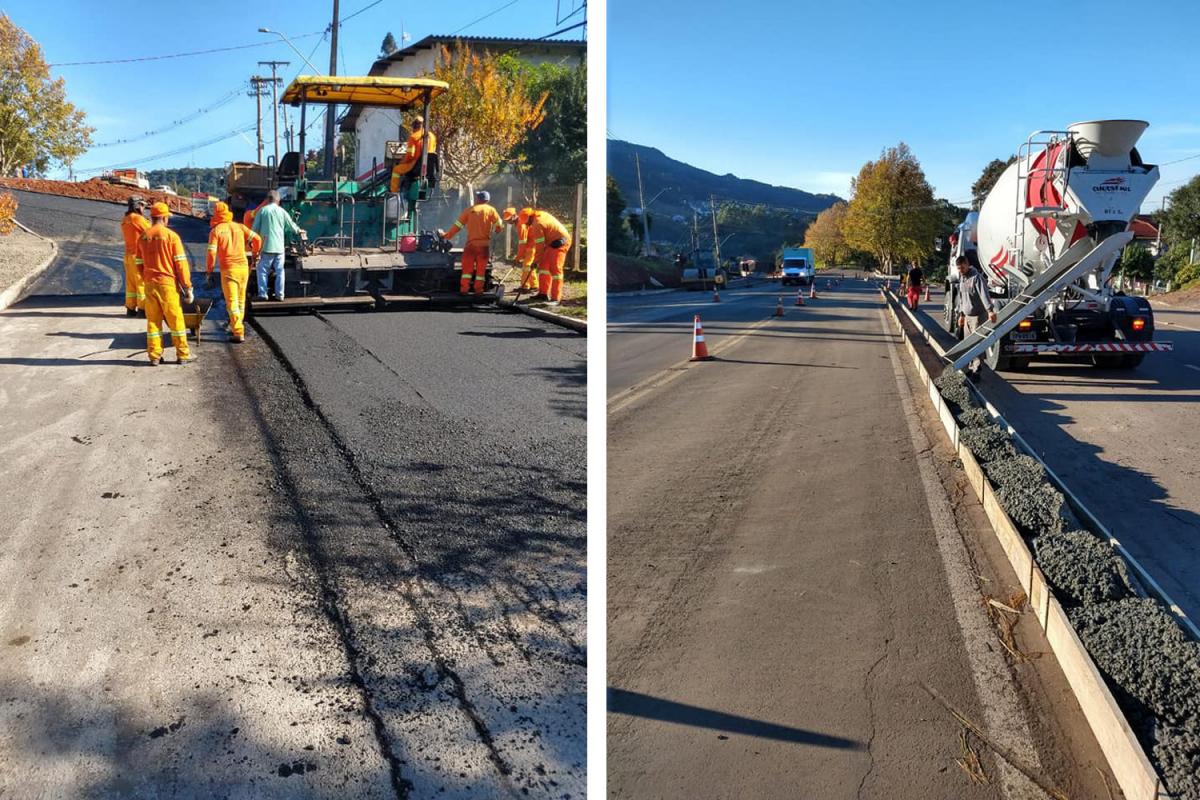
[577,325]
[642,292]
[1126,758]
[16,293]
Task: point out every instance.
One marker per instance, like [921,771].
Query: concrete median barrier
[1132,665]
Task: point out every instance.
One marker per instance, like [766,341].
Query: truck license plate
[1028,336]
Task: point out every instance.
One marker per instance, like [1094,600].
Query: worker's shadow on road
[525,332]
[635,704]
[118,341]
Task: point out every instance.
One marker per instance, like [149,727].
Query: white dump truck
[797,266]
[1047,238]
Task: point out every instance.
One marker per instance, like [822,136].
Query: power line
[178,55]
[1176,161]
[224,100]
[485,16]
[169,153]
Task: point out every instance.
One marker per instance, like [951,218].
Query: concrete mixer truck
[1047,238]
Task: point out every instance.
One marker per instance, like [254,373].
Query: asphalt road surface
[782,573]
[1127,443]
[344,560]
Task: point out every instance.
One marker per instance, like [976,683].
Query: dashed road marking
[1192,366]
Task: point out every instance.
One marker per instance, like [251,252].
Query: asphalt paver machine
[364,244]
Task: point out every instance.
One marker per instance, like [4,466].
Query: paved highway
[784,566]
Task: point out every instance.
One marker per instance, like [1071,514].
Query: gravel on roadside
[20,254]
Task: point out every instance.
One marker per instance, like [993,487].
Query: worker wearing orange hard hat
[525,249]
[133,225]
[481,221]
[163,265]
[227,243]
[551,241]
[403,172]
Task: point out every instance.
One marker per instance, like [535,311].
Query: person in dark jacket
[916,283]
[974,305]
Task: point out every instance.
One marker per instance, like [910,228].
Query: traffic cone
[699,347]
[779,308]
[812,291]
[799,298]
[716,297]
[927,293]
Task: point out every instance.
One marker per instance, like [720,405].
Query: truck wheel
[996,359]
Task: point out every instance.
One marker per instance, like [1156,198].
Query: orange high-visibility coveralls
[481,221]
[248,217]
[132,227]
[525,255]
[227,242]
[163,264]
[412,156]
[546,231]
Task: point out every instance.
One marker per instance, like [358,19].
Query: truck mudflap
[1033,348]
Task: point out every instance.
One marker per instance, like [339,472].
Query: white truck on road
[797,266]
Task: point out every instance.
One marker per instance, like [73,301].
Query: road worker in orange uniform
[551,241]
[481,221]
[132,227]
[163,265]
[227,243]
[525,250]
[248,217]
[403,173]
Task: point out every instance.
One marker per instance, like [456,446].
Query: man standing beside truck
[974,305]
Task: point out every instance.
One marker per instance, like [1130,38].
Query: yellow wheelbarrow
[194,314]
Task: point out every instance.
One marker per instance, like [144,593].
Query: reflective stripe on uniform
[132,294]
[539,240]
[179,333]
[543,272]
[212,248]
[181,257]
[138,261]
[153,334]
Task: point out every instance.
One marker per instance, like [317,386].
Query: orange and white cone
[927,293]
[779,308]
[716,296]
[799,297]
[699,347]
[812,291]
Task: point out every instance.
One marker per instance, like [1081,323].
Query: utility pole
[257,82]
[274,65]
[330,112]
[712,203]
[642,202]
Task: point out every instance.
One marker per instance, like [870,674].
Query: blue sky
[124,100]
[802,94]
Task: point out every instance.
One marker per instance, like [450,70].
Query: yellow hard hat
[160,209]
[509,214]
[526,215]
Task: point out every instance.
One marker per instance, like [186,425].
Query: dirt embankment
[96,189]
[1183,298]
[626,273]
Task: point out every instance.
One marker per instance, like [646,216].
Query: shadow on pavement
[779,363]
[621,701]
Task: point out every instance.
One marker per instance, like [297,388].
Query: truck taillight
[1025,325]
[1139,323]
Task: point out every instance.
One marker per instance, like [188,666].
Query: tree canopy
[620,238]
[38,126]
[554,152]
[825,236]
[388,45]
[480,123]
[987,179]
[892,214]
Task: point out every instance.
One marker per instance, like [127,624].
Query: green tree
[1136,262]
[620,238]
[1181,220]
[987,179]
[892,214]
[388,46]
[38,126]
[555,152]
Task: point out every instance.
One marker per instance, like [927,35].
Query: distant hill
[685,188]
[186,180]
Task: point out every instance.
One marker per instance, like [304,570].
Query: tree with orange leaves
[483,116]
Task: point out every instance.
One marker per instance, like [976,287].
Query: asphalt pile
[1147,659]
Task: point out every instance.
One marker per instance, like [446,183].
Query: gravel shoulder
[20,254]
